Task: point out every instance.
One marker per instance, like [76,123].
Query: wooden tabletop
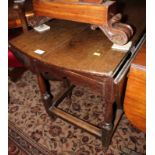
[75,46]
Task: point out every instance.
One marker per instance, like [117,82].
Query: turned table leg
[107,127]
[45,93]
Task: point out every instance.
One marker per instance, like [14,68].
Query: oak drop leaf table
[79,56]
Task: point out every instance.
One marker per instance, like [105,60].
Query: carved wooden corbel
[117,32]
[102,13]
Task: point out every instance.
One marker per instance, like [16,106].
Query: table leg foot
[47,100]
[46,95]
[106,135]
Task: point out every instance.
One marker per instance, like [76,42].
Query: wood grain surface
[135,98]
[79,47]
[91,13]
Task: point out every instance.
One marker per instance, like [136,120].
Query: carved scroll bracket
[117,32]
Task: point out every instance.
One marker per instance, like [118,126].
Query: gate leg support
[46,95]
[67,85]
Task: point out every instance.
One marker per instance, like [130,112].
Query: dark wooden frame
[113,87]
[110,87]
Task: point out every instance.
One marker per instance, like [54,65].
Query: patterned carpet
[32,132]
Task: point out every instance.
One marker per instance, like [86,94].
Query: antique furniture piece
[14,29]
[20,14]
[98,13]
[17,12]
[72,51]
[135,98]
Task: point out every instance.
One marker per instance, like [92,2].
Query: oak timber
[135,98]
